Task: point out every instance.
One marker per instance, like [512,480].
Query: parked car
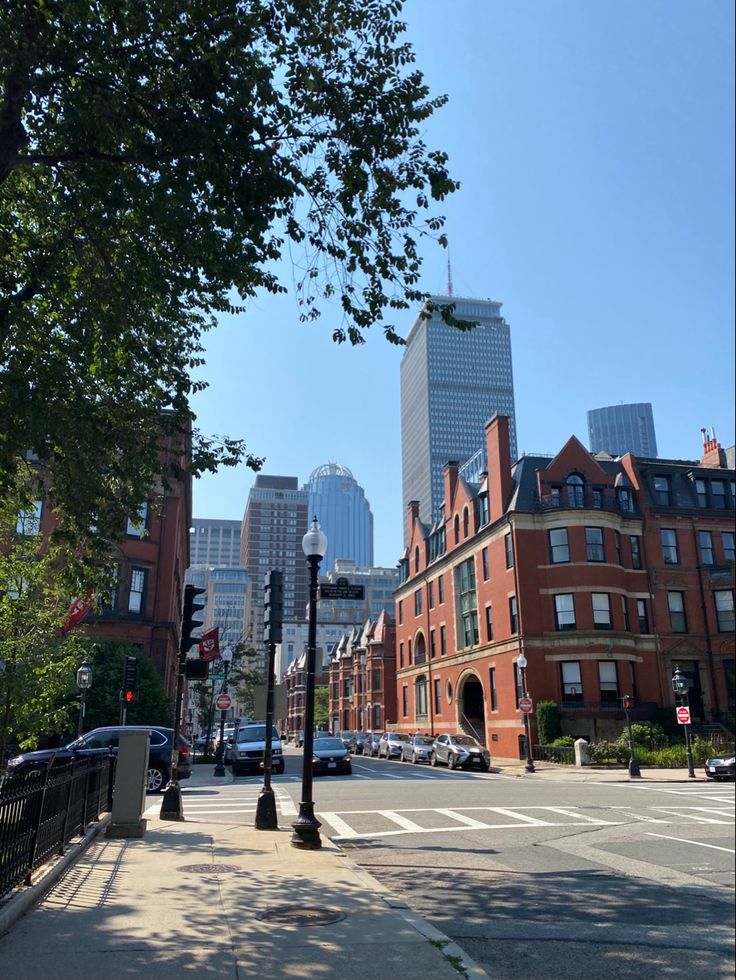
[418,748]
[249,747]
[347,738]
[390,744]
[100,740]
[460,752]
[330,755]
[721,767]
[358,743]
[371,746]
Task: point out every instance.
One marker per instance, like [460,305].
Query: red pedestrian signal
[128,696]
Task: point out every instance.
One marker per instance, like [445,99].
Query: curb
[16,906]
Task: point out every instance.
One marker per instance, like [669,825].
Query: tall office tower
[214,542]
[621,429]
[452,382]
[344,515]
[275,521]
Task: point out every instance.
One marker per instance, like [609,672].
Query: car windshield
[346,734]
[465,740]
[255,733]
[423,740]
[328,745]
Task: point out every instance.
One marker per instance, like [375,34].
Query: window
[484,563]
[509,543]
[401,654]
[513,614]
[558,546]
[457,529]
[572,687]
[594,544]
[466,522]
[443,641]
[137,525]
[137,590]
[432,645]
[617,542]
[405,700]
[437,696]
[701,490]
[625,501]
[635,541]
[441,589]
[494,694]
[483,510]
[662,490]
[625,612]
[418,602]
[420,696]
[377,680]
[29,521]
[669,546]
[408,652]
[729,545]
[489,624]
[641,612]
[430,594]
[608,680]
[723,599]
[555,497]
[718,494]
[575,491]
[466,609]
[676,604]
[564,612]
[597,499]
[601,611]
[706,547]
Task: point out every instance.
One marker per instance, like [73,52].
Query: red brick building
[362,678]
[604,572]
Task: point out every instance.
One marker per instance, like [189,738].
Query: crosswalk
[380,775]
[233,802]
[351,825]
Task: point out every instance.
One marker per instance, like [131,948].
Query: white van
[249,746]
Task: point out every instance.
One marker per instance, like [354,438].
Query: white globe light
[314,542]
[521,662]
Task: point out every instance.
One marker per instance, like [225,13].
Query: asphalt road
[535,877]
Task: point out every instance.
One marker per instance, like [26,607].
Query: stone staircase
[475,728]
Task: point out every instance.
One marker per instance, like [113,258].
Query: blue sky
[594,142]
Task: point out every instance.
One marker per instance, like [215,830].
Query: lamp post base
[634,770]
[306,829]
[219,770]
[266,818]
[171,803]
[529,767]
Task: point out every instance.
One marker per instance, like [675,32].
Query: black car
[721,767]
[100,740]
[359,741]
[331,755]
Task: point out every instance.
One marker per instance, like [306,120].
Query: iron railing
[41,812]
[564,754]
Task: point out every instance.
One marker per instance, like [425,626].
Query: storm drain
[209,869]
[297,915]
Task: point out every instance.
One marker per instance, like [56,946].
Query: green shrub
[645,733]
[547,715]
[608,752]
[563,740]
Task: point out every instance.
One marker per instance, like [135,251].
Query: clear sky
[594,142]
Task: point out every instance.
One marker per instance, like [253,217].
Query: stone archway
[471,707]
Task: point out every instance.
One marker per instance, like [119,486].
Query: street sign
[683,715]
[526,705]
[223,702]
[341,589]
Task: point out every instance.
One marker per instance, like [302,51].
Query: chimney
[713,456]
[499,465]
[412,516]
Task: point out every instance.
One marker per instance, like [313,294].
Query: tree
[247,683]
[151,705]
[321,707]
[156,160]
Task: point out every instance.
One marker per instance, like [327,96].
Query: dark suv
[101,740]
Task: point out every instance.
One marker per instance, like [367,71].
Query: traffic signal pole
[266,818]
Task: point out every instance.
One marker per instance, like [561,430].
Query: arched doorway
[471,707]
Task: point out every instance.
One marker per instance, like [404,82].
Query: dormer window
[466,522]
[575,491]
[662,490]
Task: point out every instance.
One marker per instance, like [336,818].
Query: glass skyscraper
[452,382]
[344,515]
[621,429]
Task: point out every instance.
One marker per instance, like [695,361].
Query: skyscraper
[274,524]
[343,513]
[452,382]
[621,429]
[214,542]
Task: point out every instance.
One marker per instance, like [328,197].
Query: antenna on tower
[449,272]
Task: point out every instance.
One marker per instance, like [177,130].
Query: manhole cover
[209,869]
[296,915]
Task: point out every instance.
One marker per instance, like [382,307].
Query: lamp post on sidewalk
[521,664]
[226,656]
[84,682]
[681,686]
[306,826]
[634,770]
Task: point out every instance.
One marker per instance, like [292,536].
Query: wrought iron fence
[564,754]
[41,812]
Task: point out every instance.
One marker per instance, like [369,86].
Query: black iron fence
[564,754]
[41,812]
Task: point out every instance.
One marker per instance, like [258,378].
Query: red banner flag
[76,612]
[209,645]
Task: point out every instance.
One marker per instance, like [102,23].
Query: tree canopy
[156,161]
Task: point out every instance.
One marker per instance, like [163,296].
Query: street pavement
[214,897]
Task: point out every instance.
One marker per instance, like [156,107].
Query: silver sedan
[417,749]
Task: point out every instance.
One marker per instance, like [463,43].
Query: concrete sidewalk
[223,901]
[560,773]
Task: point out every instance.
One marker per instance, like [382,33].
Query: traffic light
[628,702]
[130,678]
[273,606]
[189,624]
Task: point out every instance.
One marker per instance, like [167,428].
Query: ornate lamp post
[521,664]
[634,770]
[84,682]
[226,656]
[306,826]
[681,686]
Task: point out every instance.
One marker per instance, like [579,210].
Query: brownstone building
[362,677]
[605,573]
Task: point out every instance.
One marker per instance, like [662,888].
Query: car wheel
[279,768]
[484,766]
[414,758]
[451,762]
[155,779]
[433,759]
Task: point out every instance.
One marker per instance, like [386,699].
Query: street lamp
[84,682]
[226,656]
[306,826]
[634,770]
[681,686]
[521,664]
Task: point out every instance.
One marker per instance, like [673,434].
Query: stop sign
[223,702]
[526,705]
[683,715]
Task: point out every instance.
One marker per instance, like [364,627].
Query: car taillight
[183,750]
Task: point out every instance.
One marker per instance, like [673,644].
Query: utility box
[582,756]
[129,792]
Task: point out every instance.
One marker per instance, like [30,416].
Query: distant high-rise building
[452,382]
[275,521]
[344,515]
[213,542]
[621,429]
